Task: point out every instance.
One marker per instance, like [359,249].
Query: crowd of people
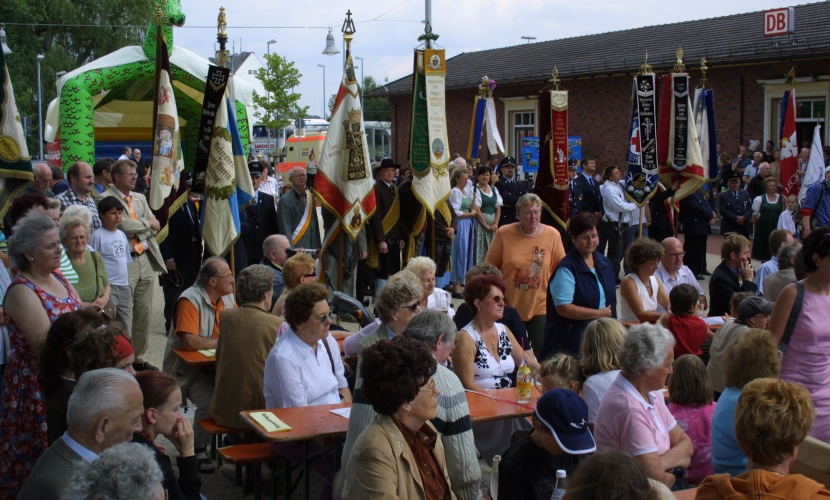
[78,294]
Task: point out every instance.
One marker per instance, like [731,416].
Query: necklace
[774,472]
[525,234]
[493,347]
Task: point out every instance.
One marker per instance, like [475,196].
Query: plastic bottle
[524,383]
[561,486]
[494,477]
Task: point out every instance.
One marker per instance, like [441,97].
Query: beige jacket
[381,465]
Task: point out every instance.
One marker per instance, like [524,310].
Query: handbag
[108,312]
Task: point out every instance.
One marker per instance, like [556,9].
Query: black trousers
[390,262]
[613,235]
[695,246]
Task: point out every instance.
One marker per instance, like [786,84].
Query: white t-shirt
[114,247]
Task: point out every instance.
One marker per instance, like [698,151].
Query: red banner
[789,146]
[552,183]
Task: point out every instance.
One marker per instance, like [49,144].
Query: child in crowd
[600,362]
[689,330]
[115,248]
[560,439]
[692,405]
[788,218]
[560,372]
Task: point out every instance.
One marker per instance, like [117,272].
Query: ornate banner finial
[555,81]
[703,68]
[645,68]
[790,79]
[223,57]
[348,30]
[679,67]
[158,16]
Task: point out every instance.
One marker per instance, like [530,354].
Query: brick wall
[600,108]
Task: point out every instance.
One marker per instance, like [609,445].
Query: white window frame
[807,88]
[514,105]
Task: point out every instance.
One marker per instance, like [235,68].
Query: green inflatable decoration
[110,79]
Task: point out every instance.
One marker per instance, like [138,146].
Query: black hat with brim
[385,163]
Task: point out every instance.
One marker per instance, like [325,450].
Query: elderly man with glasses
[672,272]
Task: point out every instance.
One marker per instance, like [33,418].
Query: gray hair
[419,265]
[253,283]
[428,326]
[208,270]
[644,348]
[125,471]
[273,242]
[27,237]
[527,200]
[786,255]
[395,294]
[96,392]
[79,216]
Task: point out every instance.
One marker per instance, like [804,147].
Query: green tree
[69,34]
[279,77]
[375,108]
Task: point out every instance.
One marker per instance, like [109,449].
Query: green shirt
[86,285]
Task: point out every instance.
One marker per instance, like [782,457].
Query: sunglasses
[324,317]
[414,307]
[498,299]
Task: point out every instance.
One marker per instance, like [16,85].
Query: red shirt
[689,333]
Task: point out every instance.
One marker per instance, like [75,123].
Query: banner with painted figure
[789,145]
[641,157]
[814,172]
[228,185]
[683,161]
[15,164]
[167,193]
[552,181]
[344,179]
[704,106]
[429,157]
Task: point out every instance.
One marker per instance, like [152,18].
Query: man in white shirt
[777,239]
[126,152]
[671,271]
[616,219]
[752,170]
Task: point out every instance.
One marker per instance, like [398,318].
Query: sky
[387,30]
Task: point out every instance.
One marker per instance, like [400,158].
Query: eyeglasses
[324,317]
[677,254]
[413,307]
[310,275]
[430,388]
[498,299]
[534,213]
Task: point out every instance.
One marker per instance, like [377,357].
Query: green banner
[419,141]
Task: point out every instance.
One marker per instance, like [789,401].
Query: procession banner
[344,182]
[167,193]
[704,106]
[640,183]
[429,157]
[491,129]
[476,127]
[814,172]
[683,162]
[789,145]
[552,181]
[217,81]
[15,164]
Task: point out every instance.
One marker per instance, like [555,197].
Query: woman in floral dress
[36,297]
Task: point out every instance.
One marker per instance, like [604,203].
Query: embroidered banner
[552,183]
[683,162]
[789,145]
[217,81]
[639,184]
[704,106]
[429,157]
[647,116]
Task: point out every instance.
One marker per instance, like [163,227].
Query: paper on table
[269,421]
[714,320]
[208,353]
[343,412]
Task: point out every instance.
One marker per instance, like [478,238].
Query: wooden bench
[216,432]
[251,457]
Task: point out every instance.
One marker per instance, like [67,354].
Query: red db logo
[779,21]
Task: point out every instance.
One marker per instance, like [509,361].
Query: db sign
[779,21]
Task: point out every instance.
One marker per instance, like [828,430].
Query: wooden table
[502,405]
[194,358]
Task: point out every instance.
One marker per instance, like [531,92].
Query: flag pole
[222,59]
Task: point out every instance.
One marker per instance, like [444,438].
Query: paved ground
[220,485]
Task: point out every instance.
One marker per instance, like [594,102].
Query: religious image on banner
[15,164]
[641,155]
[344,181]
[167,194]
[552,180]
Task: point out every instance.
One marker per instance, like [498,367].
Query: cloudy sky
[387,30]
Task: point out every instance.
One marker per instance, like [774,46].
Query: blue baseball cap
[566,415]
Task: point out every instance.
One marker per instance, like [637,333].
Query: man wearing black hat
[385,224]
[259,218]
[510,188]
[735,208]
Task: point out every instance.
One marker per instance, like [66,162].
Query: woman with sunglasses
[163,416]
[298,269]
[805,360]
[304,368]
[486,357]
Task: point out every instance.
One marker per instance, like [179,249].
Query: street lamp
[362,90]
[269,45]
[331,49]
[528,38]
[40,58]
[324,89]
[3,45]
